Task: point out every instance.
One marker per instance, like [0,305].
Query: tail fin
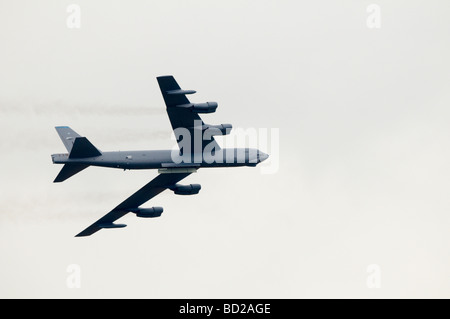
[78,147]
[67,136]
[69,170]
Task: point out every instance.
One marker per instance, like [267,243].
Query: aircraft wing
[150,190]
[184,114]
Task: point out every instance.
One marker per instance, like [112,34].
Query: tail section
[67,136]
[78,147]
[83,148]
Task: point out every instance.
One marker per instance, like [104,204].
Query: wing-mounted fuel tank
[148,212]
[207,107]
[190,189]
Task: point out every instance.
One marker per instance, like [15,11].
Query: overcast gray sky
[363,118]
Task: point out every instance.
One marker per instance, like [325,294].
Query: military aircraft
[196,149]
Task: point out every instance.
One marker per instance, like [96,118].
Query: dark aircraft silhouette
[197,149]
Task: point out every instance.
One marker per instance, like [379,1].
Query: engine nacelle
[221,129]
[190,189]
[148,212]
[208,107]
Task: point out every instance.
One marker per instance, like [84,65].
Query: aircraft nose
[263,156]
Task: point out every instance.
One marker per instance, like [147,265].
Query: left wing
[150,190]
[184,115]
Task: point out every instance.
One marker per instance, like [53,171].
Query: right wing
[150,190]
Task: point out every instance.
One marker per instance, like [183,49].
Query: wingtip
[84,233]
[164,76]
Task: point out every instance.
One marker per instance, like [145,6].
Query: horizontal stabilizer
[69,170]
[83,148]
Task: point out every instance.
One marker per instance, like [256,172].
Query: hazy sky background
[363,117]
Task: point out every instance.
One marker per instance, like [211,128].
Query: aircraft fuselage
[156,159]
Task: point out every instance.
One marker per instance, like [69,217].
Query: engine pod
[148,212]
[190,189]
[207,107]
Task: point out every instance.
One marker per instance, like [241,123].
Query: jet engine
[148,212]
[190,189]
[207,107]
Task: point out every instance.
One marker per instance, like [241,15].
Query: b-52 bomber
[196,149]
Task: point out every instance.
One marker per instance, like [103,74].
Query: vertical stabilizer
[67,136]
